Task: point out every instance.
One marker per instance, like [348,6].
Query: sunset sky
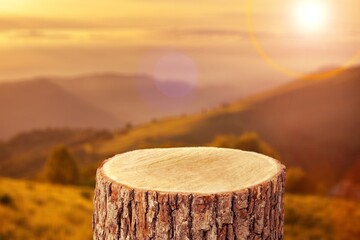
[66,37]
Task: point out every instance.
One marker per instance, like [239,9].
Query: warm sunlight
[311,15]
[211,102]
[12,5]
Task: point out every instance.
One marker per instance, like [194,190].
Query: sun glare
[311,15]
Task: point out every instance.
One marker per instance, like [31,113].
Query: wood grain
[199,170]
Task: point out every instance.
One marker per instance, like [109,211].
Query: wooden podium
[189,193]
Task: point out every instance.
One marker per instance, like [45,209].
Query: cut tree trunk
[189,193]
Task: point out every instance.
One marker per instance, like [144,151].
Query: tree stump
[189,193]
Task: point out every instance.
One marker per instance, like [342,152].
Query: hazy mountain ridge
[100,101]
[41,103]
[140,98]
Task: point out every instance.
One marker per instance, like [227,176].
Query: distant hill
[138,99]
[23,156]
[314,124]
[41,103]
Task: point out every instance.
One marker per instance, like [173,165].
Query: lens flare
[175,74]
[171,82]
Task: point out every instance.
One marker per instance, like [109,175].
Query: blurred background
[81,81]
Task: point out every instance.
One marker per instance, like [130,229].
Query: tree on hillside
[61,167]
[248,141]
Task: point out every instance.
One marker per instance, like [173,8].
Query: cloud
[41,34]
[215,32]
[10,23]
[203,33]
[333,35]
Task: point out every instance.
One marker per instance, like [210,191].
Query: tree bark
[124,213]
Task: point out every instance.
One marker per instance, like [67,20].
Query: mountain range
[99,101]
[313,124]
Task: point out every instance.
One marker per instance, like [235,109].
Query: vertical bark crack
[119,215]
[146,207]
[172,205]
[190,220]
[233,220]
[215,214]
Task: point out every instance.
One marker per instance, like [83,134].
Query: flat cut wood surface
[191,170]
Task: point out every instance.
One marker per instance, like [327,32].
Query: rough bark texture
[122,213]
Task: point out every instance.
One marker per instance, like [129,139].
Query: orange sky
[65,37]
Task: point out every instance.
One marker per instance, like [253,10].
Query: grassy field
[42,211]
[319,218]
